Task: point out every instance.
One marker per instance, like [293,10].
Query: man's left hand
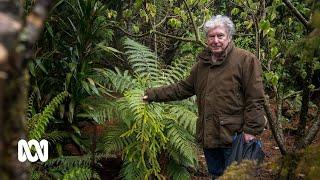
[248,137]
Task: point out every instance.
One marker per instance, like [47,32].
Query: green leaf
[76,129]
[127,13]
[109,49]
[274,52]
[264,25]
[175,23]
[235,11]
[135,28]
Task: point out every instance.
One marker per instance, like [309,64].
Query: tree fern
[40,121]
[148,129]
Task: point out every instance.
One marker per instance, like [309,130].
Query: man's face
[218,39]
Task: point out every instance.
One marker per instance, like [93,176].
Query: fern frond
[68,162]
[81,174]
[144,63]
[179,70]
[112,140]
[118,81]
[30,105]
[147,129]
[131,171]
[40,121]
[35,175]
[182,142]
[177,172]
[65,163]
[184,117]
[99,109]
[56,136]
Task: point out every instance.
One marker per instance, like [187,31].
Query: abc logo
[24,152]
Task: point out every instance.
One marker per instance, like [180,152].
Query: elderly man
[228,85]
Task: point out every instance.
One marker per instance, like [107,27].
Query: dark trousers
[217,160]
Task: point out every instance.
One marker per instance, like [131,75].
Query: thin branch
[163,20]
[195,27]
[297,13]
[312,133]
[274,129]
[243,34]
[298,92]
[159,33]
[128,33]
[179,38]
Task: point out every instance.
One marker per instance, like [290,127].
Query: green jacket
[229,94]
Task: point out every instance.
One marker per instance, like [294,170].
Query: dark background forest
[73,72]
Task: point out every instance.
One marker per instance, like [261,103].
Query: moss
[242,171]
[309,165]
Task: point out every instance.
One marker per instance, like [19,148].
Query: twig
[297,13]
[299,92]
[179,38]
[196,30]
[128,33]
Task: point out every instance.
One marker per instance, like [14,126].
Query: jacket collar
[206,55]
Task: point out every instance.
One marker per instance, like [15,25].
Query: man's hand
[248,137]
[145,98]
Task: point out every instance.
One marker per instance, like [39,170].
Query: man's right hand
[145,98]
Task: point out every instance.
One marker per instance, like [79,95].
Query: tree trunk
[14,81]
[305,102]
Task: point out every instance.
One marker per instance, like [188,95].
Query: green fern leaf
[80,174]
[39,123]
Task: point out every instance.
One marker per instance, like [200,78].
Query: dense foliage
[96,58]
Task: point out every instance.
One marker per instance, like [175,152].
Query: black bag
[251,150]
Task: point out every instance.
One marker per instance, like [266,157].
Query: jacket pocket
[229,125]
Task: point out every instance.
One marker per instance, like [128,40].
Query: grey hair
[219,20]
